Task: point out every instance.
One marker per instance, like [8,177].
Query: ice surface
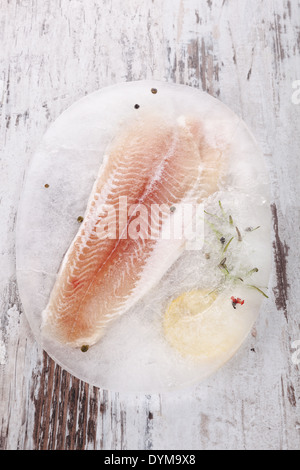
[134,354]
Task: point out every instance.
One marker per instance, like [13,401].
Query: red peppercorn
[237,301]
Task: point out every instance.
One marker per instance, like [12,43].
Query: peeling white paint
[2,353]
[13,317]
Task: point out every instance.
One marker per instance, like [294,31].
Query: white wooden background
[53,52]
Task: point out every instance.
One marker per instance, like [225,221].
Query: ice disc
[192,309]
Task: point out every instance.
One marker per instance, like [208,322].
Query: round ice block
[196,312]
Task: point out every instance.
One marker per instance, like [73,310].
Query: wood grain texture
[247,54]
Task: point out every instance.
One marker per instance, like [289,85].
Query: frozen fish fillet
[151,162]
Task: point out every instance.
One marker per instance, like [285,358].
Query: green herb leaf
[249,273]
[259,290]
[250,229]
[239,234]
[221,207]
[214,229]
[226,247]
[212,215]
[223,266]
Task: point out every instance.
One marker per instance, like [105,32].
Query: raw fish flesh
[153,162]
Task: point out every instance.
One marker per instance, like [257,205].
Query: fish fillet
[153,161]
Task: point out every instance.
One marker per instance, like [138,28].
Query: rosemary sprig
[215,230]
[259,290]
[249,273]
[222,265]
[221,207]
[227,245]
[238,234]
[212,215]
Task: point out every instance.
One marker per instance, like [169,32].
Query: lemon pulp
[194,325]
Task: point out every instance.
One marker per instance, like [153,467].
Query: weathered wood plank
[246,53]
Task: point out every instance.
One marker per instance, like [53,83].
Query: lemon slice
[195,325]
